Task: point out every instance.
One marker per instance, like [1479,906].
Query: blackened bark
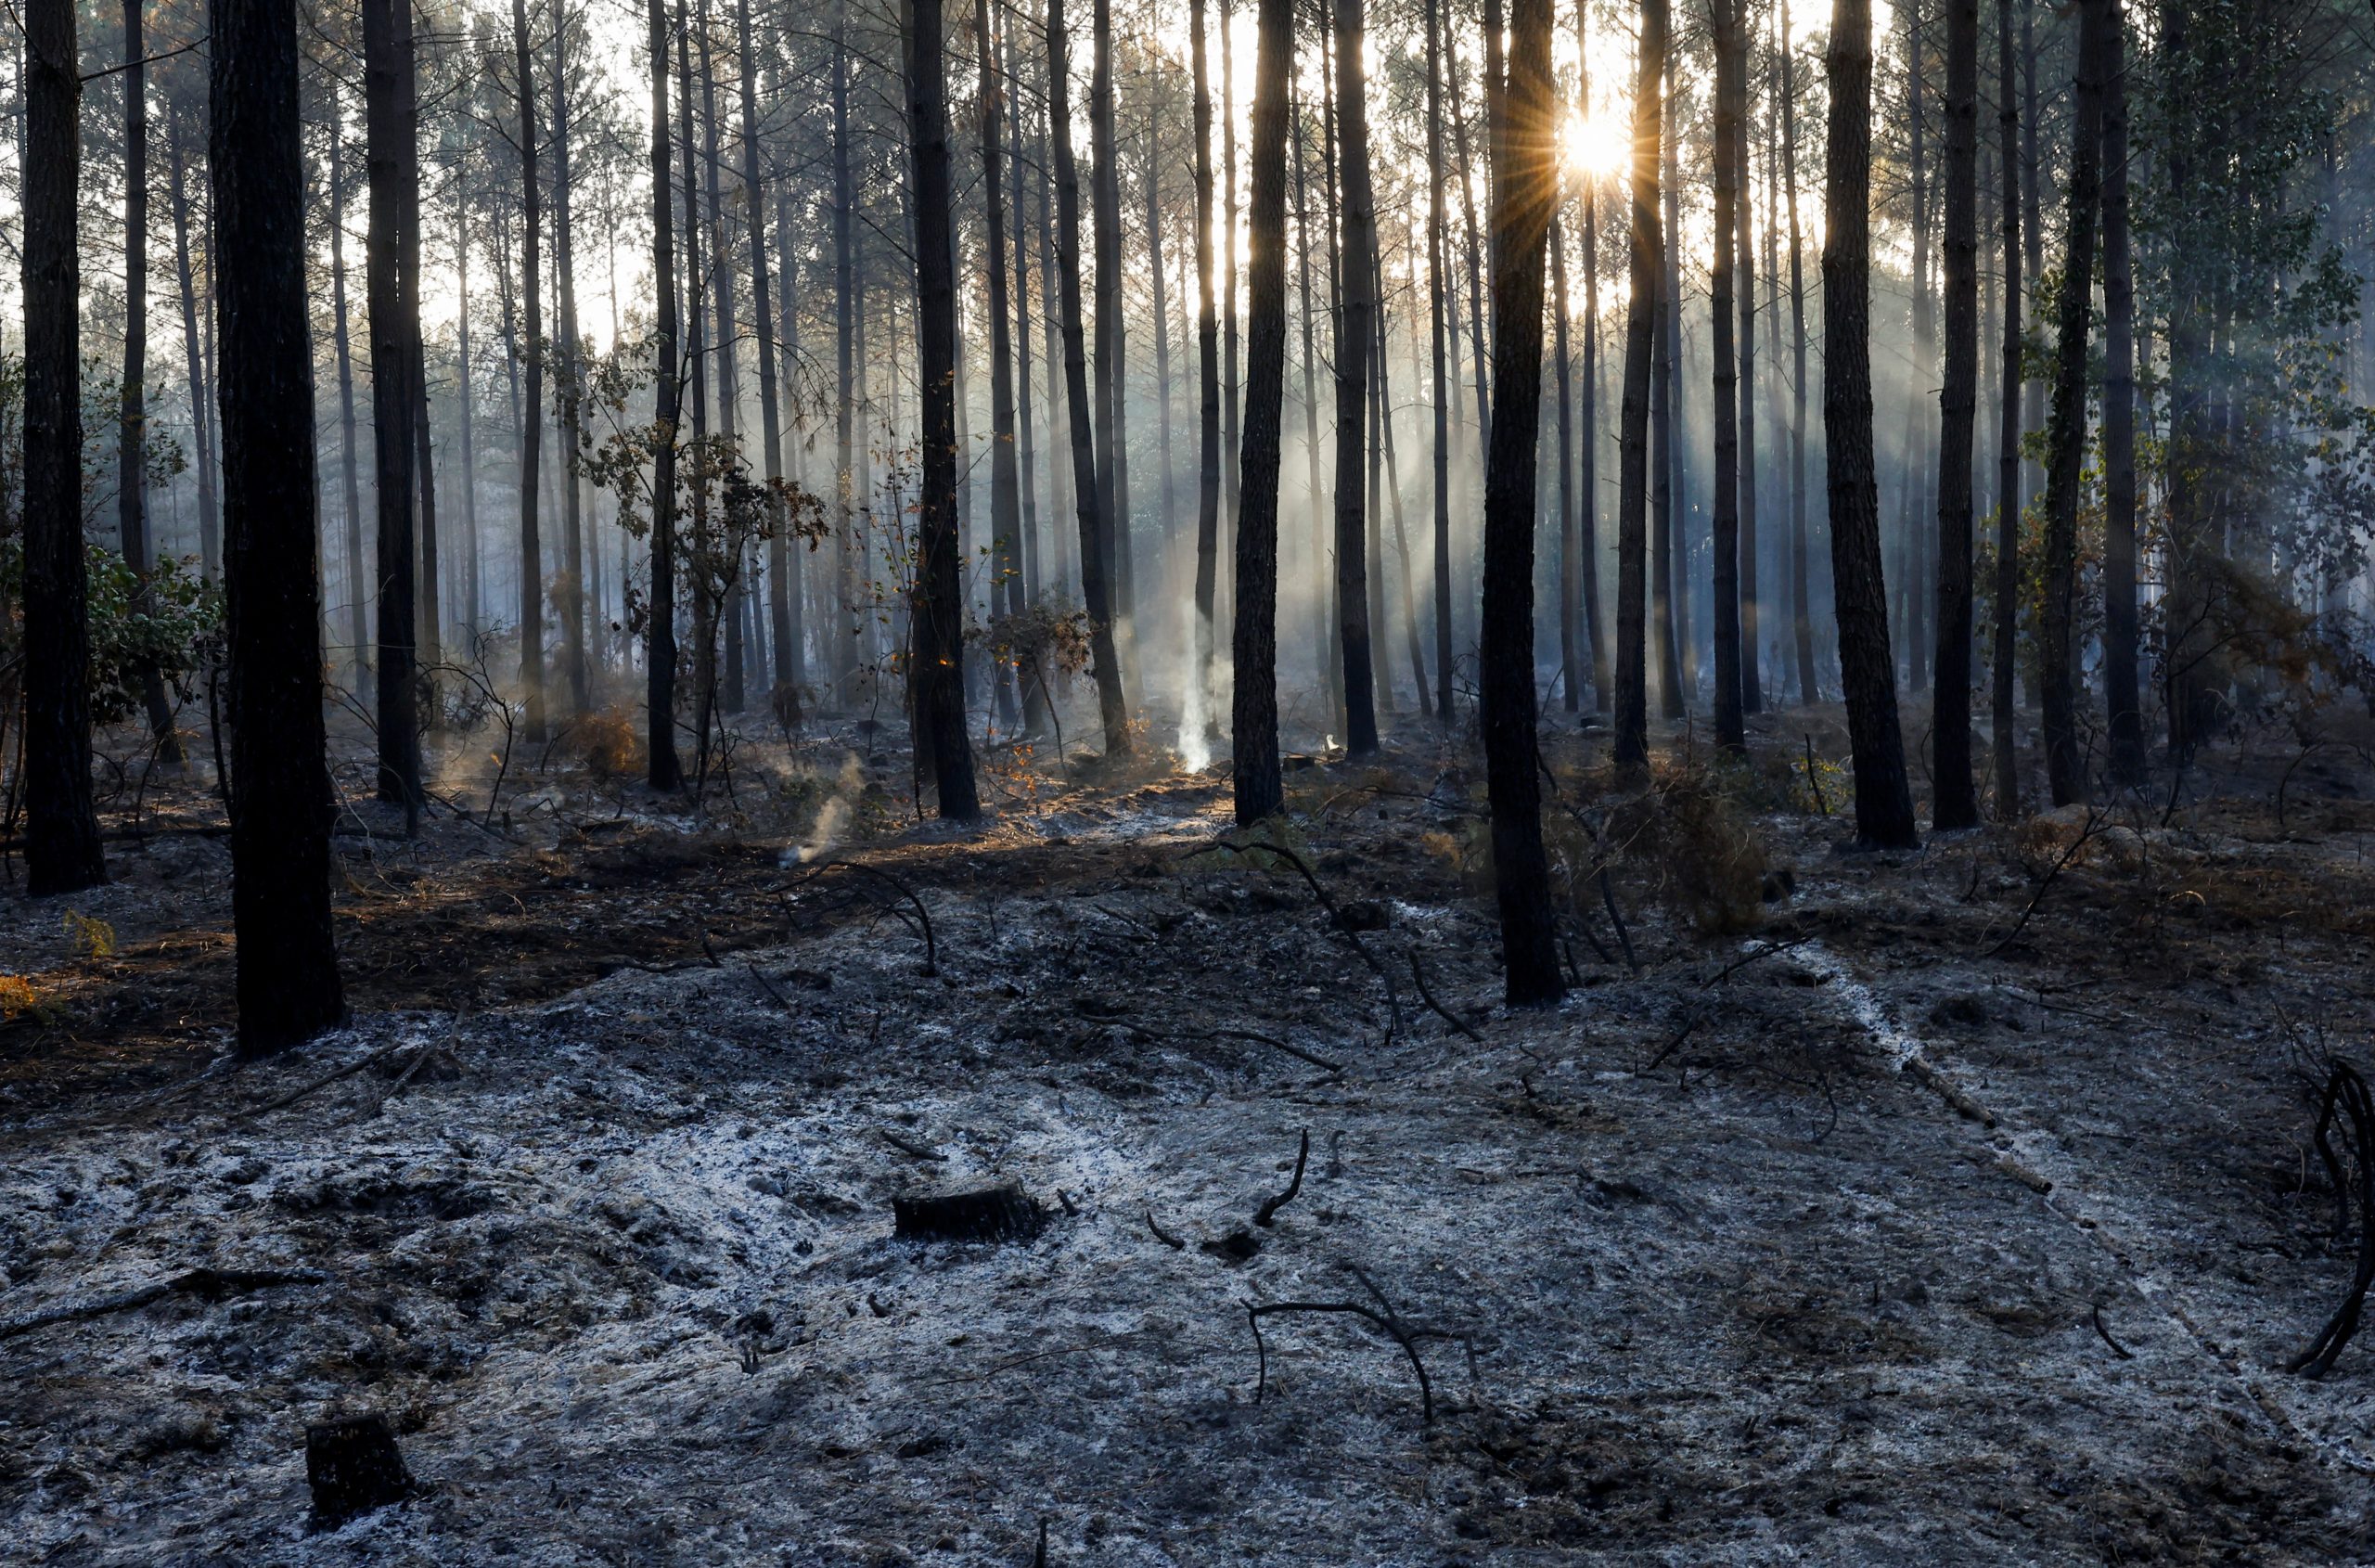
[2122,700]
[1801,590]
[1208,380]
[1725,619]
[1589,525]
[1105,223]
[1752,607]
[387,88]
[132,413]
[1883,794]
[2065,762]
[1570,566]
[659,659]
[1525,196]
[1088,493]
[782,583]
[571,409]
[531,436]
[288,980]
[1254,714]
[201,397]
[1005,486]
[358,576]
[2002,714]
[1955,803]
[1438,287]
[940,603]
[1354,341]
[63,827]
[842,636]
[1647,276]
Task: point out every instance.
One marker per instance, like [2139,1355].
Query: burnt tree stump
[353,1467]
[992,1214]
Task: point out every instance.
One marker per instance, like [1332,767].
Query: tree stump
[993,1214]
[353,1467]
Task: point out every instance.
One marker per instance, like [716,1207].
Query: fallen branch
[207,1284]
[906,1145]
[2117,1349]
[325,1081]
[1296,1051]
[1165,1237]
[1335,915]
[1382,1315]
[1764,952]
[2346,1090]
[1624,936]
[768,986]
[1271,1205]
[923,916]
[1441,1011]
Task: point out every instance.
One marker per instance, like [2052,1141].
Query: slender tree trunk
[1955,802]
[202,396]
[940,603]
[1105,204]
[62,852]
[845,634]
[1354,338]
[1476,282]
[357,579]
[1587,544]
[1027,592]
[571,402]
[1641,307]
[2065,759]
[1725,619]
[1525,198]
[1158,283]
[1438,265]
[1751,603]
[2122,700]
[660,658]
[288,980]
[1005,490]
[1324,647]
[1883,794]
[1208,401]
[1673,700]
[1571,674]
[531,437]
[395,208]
[1259,787]
[2006,630]
[131,412]
[731,580]
[1088,491]
[1913,555]
[1232,469]
[1801,586]
[465,421]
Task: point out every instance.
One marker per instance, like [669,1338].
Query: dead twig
[1271,1206]
[325,1081]
[1764,952]
[1623,936]
[2095,816]
[769,986]
[2117,1349]
[1335,915]
[1427,993]
[1382,1317]
[1165,1237]
[207,1284]
[923,916]
[907,1146]
[2346,1091]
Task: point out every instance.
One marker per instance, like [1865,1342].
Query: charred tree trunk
[1752,607]
[531,431]
[1648,273]
[1354,340]
[2065,761]
[1105,204]
[2005,632]
[395,331]
[357,579]
[1088,491]
[571,402]
[660,658]
[1005,485]
[202,396]
[132,413]
[1955,802]
[1208,401]
[1801,586]
[1254,718]
[281,790]
[1570,566]
[1883,794]
[940,603]
[1525,196]
[2121,697]
[1724,617]
[62,852]
[1438,265]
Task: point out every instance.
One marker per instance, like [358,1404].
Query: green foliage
[174,626]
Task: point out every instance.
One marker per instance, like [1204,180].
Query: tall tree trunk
[1801,587]
[2122,700]
[1955,802]
[1323,588]
[531,436]
[466,423]
[1208,401]
[2005,632]
[1354,340]
[1571,674]
[2065,759]
[1006,492]
[1587,544]
[1673,438]
[846,615]
[395,331]
[2031,215]
[660,658]
[1525,198]
[1105,203]
[1883,794]
[63,849]
[731,547]
[571,402]
[132,414]
[1025,593]
[1254,720]
[1232,390]
[1476,281]
[1438,265]
[288,980]
[1641,307]
[202,396]
[1664,585]
[1088,491]
[1725,618]
[357,579]
[1161,302]
[1913,552]
[1752,607]
[940,603]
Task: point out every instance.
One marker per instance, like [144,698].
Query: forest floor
[1953,1207]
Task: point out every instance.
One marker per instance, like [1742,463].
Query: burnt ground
[1951,1207]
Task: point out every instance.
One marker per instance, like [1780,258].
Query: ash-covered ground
[1957,1207]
